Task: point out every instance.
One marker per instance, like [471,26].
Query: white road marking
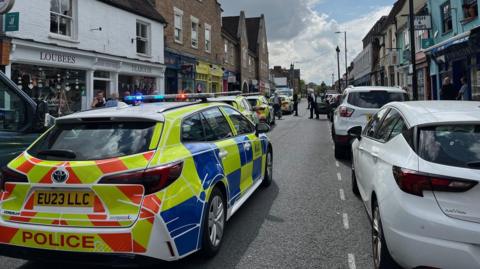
[339,176]
[342,195]
[346,225]
[351,261]
[337,164]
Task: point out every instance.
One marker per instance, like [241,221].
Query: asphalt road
[308,218]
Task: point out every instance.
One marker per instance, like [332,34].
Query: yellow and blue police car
[262,108]
[156,181]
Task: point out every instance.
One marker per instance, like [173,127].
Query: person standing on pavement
[277,105]
[295,103]
[464,93]
[312,100]
[448,92]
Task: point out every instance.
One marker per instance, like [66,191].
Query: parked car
[20,120]
[241,104]
[416,169]
[263,109]
[358,105]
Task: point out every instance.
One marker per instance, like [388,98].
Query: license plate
[369,117]
[64,198]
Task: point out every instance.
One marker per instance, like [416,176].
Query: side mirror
[262,128]
[356,132]
[43,118]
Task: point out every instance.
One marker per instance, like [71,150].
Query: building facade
[193,45]
[65,51]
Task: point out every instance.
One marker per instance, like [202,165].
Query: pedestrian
[448,92]
[99,100]
[312,100]
[112,101]
[464,93]
[295,103]
[277,106]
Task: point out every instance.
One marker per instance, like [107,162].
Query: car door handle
[247,146]
[361,148]
[374,156]
[223,154]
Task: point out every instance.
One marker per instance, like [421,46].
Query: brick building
[245,46]
[292,75]
[193,45]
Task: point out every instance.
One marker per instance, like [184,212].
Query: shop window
[194,32]
[136,85]
[143,38]
[446,12]
[61,17]
[12,110]
[470,9]
[208,38]
[178,24]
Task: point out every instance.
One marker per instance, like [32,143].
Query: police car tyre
[354,182]
[267,181]
[214,223]
[381,255]
[340,152]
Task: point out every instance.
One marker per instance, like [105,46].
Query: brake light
[152,179]
[9,176]
[415,183]
[346,112]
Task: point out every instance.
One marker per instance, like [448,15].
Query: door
[16,112]
[250,148]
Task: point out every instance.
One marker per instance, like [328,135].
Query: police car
[156,181]
[240,103]
[261,107]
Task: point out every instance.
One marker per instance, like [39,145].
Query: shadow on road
[241,231]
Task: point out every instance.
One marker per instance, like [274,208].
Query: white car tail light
[346,112]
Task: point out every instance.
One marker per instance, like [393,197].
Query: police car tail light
[346,112]
[153,179]
[9,176]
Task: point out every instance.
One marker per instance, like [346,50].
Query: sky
[303,31]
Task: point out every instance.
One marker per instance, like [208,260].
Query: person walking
[295,104]
[312,100]
[464,93]
[448,92]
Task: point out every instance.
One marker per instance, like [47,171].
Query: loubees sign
[6,6]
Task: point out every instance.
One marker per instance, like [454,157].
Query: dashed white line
[346,225]
[351,261]
[342,195]
[337,164]
[339,176]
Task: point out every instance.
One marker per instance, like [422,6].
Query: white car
[356,108]
[416,169]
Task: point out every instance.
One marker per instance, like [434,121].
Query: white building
[66,51]
[362,67]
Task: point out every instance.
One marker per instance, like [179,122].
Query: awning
[203,68]
[456,40]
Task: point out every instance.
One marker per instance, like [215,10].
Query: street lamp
[346,55]
[412,50]
[338,64]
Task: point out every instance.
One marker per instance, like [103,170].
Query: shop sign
[12,22]
[6,6]
[108,64]
[423,23]
[56,57]
[141,69]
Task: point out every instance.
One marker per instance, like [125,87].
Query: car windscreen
[452,145]
[375,99]
[93,141]
[253,102]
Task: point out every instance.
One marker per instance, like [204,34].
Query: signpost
[423,23]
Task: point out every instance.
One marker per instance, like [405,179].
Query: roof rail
[252,94]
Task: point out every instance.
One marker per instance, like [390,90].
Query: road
[308,218]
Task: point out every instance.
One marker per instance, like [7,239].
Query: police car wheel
[268,170]
[214,223]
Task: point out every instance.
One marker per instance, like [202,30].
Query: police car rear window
[94,141]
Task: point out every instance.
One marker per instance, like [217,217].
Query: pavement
[308,218]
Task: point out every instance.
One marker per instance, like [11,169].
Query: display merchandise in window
[134,85]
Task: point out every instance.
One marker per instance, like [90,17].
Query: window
[208,38]
[373,125]
[95,141]
[178,24]
[446,13]
[61,17]
[470,9]
[392,126]
[194,32]
[192,129]
[143,38]
[375,99]
[242,125]
[12,110]
[218,124]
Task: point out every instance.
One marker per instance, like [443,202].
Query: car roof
[225,98]
[147,111]
[374,88]
[419,113]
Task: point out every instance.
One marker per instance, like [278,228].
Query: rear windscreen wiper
[58,153]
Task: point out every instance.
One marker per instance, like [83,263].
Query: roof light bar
[182,97]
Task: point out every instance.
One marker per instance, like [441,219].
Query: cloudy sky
[303,31]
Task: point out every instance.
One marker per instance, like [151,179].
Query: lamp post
[338,64]
[346,55]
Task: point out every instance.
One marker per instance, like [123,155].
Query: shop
[68,79]
[209,77]
[230,82]
[423,77]
[179,74]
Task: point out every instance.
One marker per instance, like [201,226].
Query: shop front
[180,73]
[423,77]
[209,77]
[68,79]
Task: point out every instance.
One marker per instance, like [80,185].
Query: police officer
[295,103]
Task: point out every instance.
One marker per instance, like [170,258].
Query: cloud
[299,33]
